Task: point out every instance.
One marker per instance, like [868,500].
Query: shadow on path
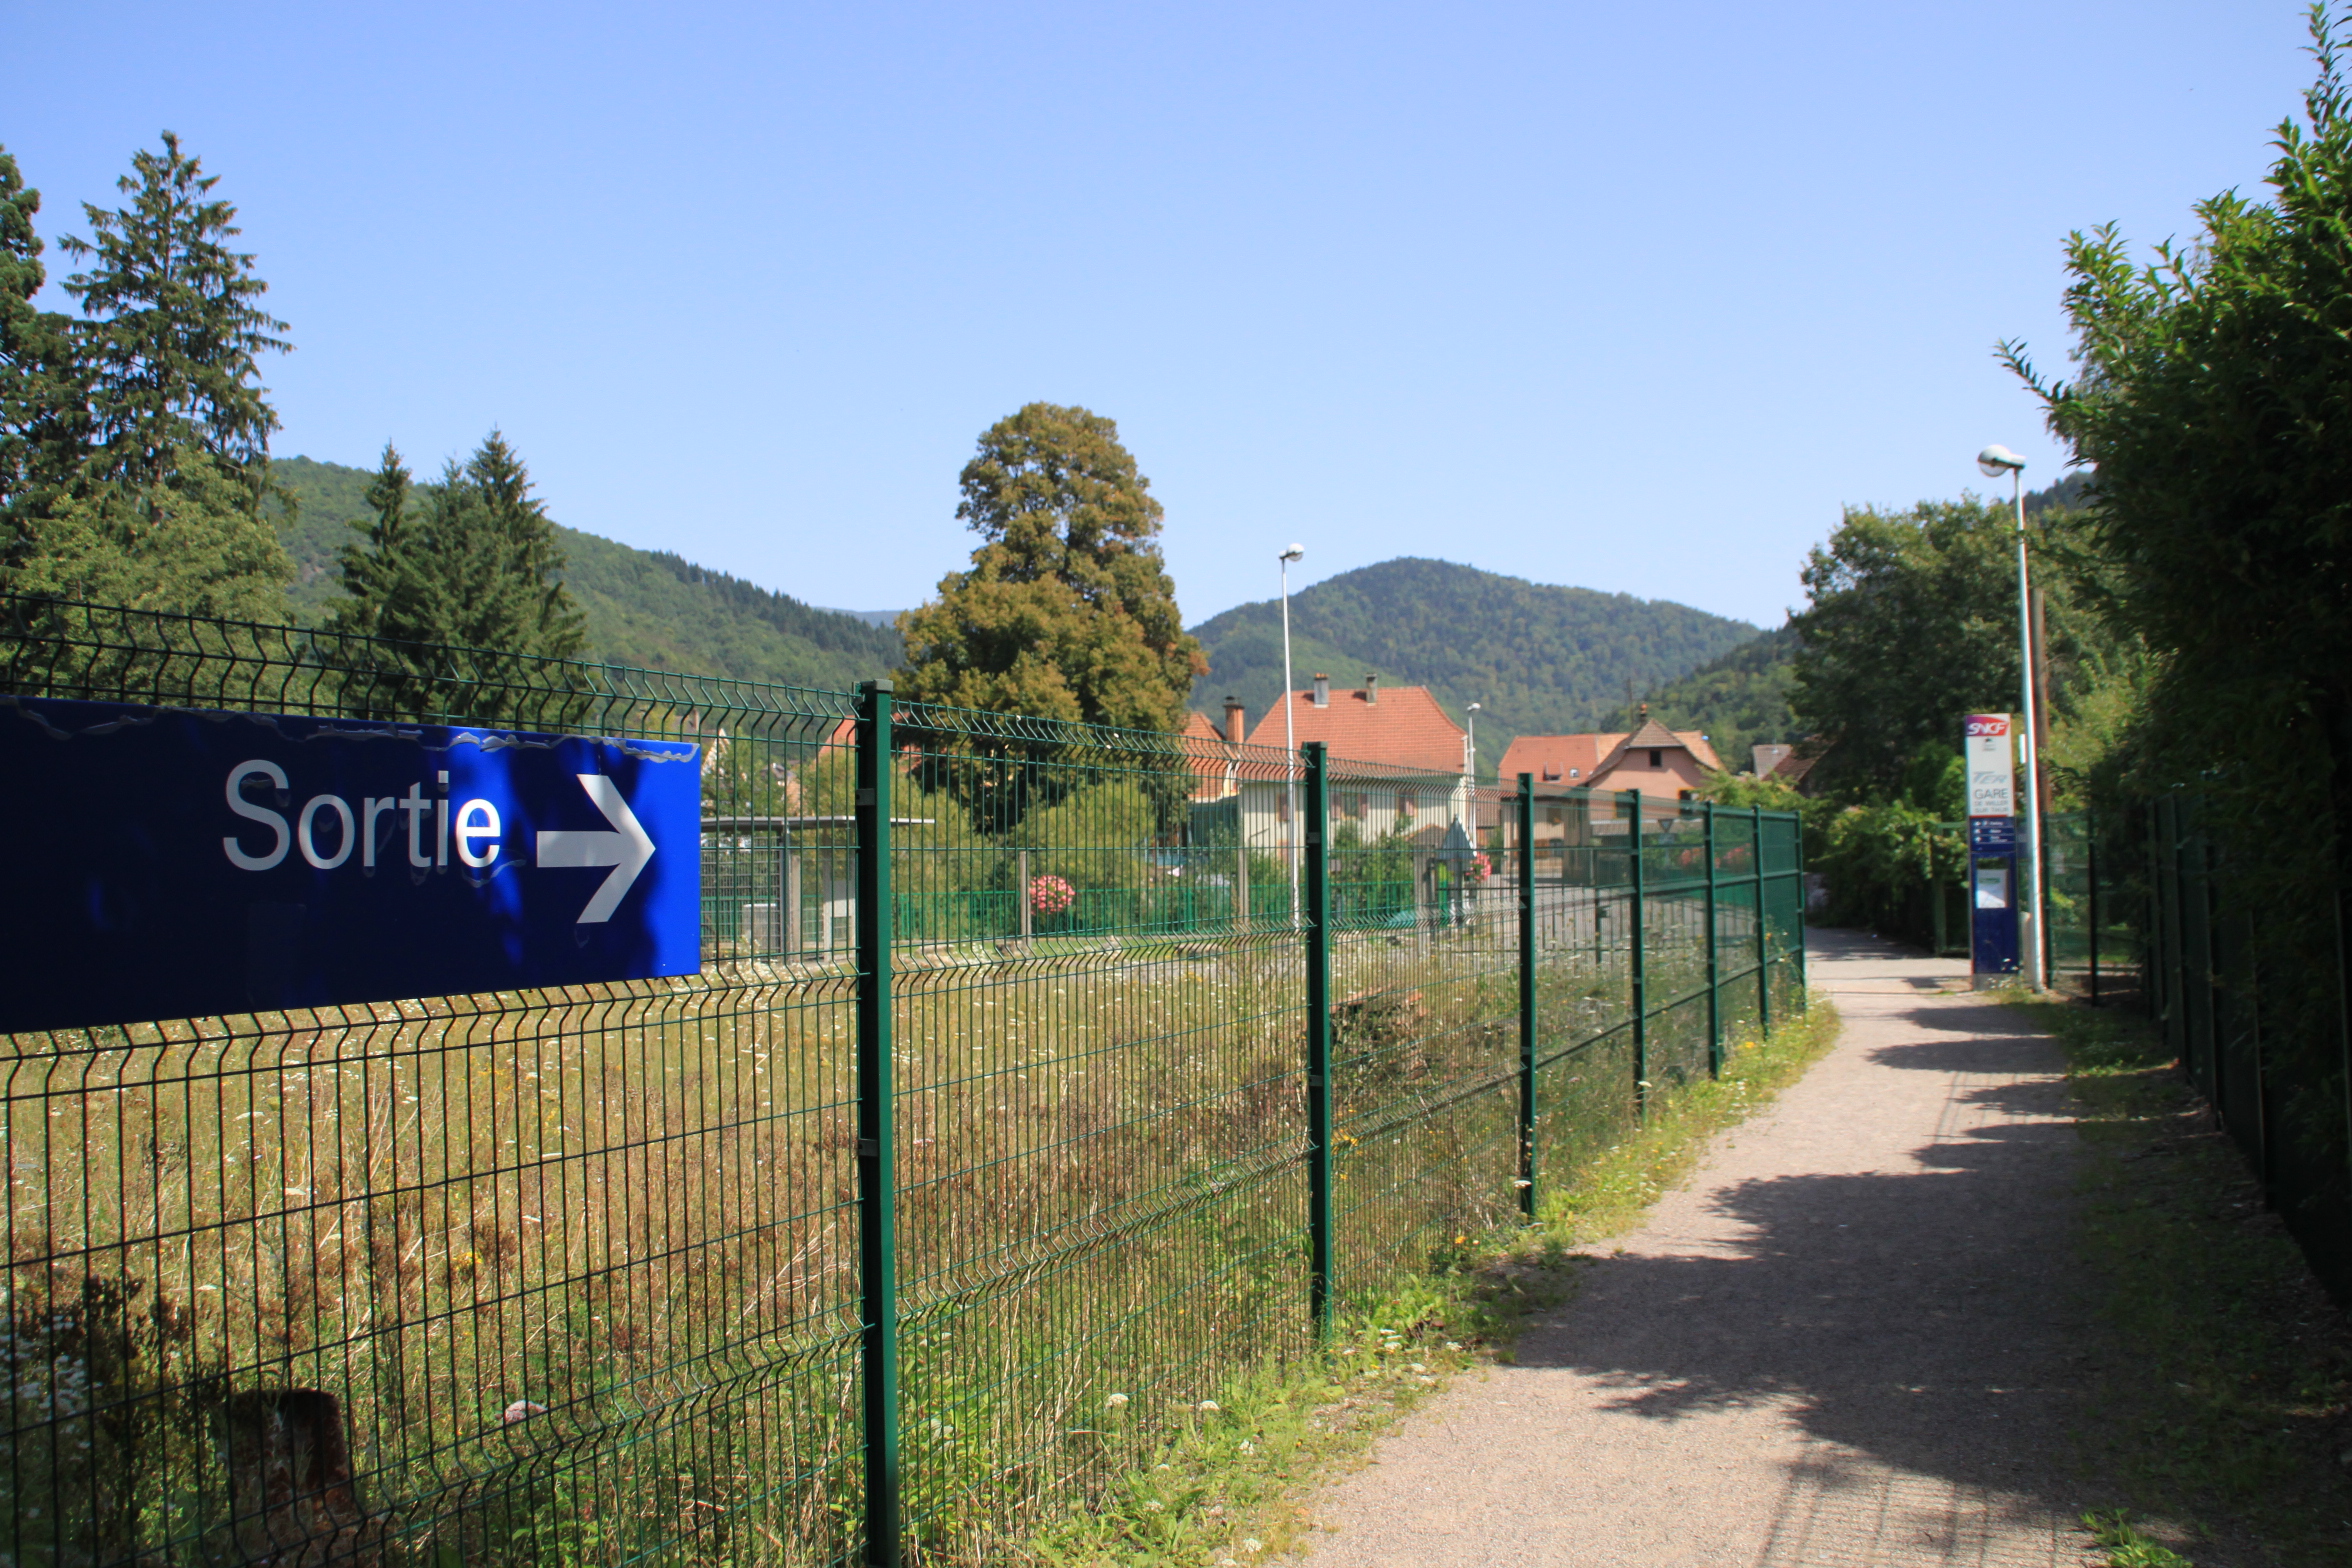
[1914,1309]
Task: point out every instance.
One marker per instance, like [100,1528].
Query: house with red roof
[1397,761]
[1662,764]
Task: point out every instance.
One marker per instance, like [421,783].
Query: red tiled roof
[1574,759]
[1654,736]
[1556,759]
[1206,751]
[1405,728]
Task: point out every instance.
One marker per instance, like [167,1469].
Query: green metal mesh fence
[2093,887]
[1038,1080]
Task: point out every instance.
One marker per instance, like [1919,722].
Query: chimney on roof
[1371,686]
[1322,691]
[1233,715]
[1645,710]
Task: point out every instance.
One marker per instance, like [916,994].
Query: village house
[1662,764]
[1214,753]
[1397,762]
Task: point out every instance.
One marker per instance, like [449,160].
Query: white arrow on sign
[626,851]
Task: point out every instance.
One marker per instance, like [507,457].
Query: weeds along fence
[1018,1105]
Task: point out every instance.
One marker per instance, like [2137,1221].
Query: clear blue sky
[1632,297]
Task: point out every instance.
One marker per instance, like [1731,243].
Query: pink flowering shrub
[1050,895]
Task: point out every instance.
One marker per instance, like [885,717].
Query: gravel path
[1844,1343]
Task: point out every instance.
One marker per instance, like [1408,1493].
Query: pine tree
[1067,611]
[174,325]
[134,442]
[470,562]
[41,399]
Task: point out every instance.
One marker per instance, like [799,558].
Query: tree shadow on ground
[1919,1313]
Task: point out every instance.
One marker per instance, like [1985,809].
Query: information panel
[168,863]
[1992,766]
[1992,843]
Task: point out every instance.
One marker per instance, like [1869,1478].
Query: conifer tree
[471,561]
[174,324]
[41,398]
[134,442]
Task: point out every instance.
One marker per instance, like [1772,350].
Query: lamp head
[1994,461]
[1294,552]
[1476,708]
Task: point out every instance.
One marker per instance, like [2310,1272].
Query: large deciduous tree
[1912,623]
[186,541]
[1067,610]
[2215,401]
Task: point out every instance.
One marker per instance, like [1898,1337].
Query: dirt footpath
[1845,1343]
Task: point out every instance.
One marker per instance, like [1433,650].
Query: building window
[1554,816]
[1352,804]
[1657,758]
[1551,775]
[1282,805]
[1404,805]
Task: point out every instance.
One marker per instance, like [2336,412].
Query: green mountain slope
[1540,659]
[645,607]
[1737,700]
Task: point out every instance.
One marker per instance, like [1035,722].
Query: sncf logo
[1988,724]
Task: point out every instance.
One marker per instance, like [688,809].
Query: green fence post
[876,1112]
[1763,922]
[1637,971]
[1797,847]
[1526,858]
[1317,891]
[2344,1017]
[1714,981]
[2091,894]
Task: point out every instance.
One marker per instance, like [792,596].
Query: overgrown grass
[1226,1487]
[2220,1400]
[578,1270]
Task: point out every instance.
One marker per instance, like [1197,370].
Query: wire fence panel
[2094,883]
[1424,1035]
[2249,989]
[1038,1080]
[1098,1107]
[525,1277]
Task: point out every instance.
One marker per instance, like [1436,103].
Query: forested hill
[1737,700]
[1540,659]
[645,607]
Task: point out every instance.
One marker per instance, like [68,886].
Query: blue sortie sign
[164,863]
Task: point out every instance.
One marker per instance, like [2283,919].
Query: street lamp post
[1289,732]
[1993,462]
[1472,745]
